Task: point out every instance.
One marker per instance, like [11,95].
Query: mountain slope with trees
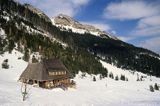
[30,32]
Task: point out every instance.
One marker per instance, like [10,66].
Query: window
[52,73]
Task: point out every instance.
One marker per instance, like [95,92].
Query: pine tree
[122,77]
[116,78]
[111,75]
[11,45]
[138,78]
[126,79]
[156,86]
[94,78]
[100,77]
[26,55]
[151,88]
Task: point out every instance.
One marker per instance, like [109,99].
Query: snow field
[105,92]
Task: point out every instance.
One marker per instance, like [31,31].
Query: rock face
[65,21]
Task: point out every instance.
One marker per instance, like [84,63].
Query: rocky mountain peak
[68,22]
[65,20]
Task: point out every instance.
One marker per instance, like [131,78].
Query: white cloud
[149,31]
[79,2]
[127,10]
[149,26]
[149,22]
[152,44]
[146,13]
[55,7]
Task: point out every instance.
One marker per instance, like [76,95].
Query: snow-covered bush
[140,78]
[83,75]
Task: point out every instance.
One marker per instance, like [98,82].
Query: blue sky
[133,21]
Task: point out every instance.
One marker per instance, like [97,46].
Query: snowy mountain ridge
[67,23]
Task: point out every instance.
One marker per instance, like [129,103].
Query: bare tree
[24,91]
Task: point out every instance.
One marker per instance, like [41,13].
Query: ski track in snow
[105,92]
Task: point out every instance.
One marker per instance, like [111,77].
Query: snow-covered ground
[105,92]
[130,74]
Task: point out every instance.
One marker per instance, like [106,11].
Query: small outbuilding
[48,73]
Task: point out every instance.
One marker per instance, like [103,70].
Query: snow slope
[105,92]
[130,74]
